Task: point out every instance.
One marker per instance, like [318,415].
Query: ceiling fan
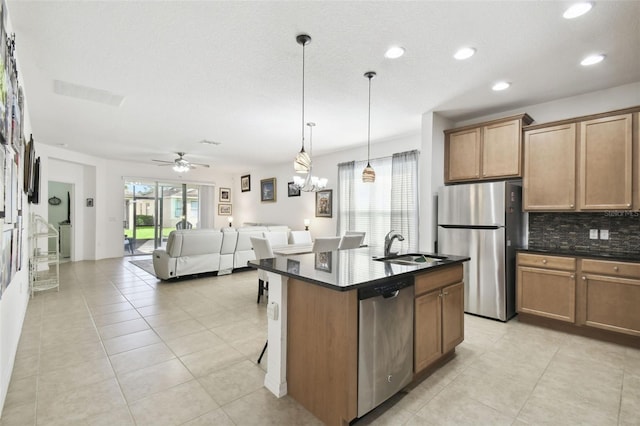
[180,165]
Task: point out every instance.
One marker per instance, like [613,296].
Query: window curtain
[346,216]
[405,215]
[391,202]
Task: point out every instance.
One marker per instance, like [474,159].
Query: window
[391,202]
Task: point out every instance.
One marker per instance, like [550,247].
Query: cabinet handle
[572,276]
[629,205]
[445,293]
[440,295]
[615,268]
[544,260]
[584,278]
[571,206]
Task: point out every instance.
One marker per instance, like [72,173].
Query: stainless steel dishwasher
[385,342]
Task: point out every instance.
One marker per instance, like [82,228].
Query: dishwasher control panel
[386,289]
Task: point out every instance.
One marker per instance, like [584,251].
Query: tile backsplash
[570,231]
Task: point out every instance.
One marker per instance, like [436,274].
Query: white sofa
[196,251]
[188,251]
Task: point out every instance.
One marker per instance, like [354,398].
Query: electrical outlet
[604,234]
[593,234]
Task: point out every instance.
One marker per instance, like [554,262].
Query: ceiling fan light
[368,174]
[181,168]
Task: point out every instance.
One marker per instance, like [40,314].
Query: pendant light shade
[302,163]
[368,174]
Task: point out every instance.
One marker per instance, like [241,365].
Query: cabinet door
[501,153]
[612,303]
[550,168]
[427,334]
[452,316]
[463,155]
[606,163]
[546,293]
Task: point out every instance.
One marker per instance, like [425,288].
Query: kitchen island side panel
[322,350]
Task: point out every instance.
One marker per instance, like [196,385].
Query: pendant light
[302,162]
[310,183]
[368,174]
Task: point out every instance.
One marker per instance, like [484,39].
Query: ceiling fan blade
[199,164]
[163,161]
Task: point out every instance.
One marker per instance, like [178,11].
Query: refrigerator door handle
[471,226]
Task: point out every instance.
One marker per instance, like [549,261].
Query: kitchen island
[313,326]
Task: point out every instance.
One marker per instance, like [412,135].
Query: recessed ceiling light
[592,60]
[464,53]
[501,85]
[577,9]
[394,52]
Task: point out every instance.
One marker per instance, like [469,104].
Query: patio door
[153,209]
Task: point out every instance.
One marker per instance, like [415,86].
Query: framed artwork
[268,190]
[293,266]
[224,209]
[323,261]
[324,203]
[245,183]
[293,190]
[225,195]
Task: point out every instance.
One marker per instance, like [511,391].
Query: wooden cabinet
[489,150]
[606,153]
[546,286]
[463,155]
[439,315]
[583,164]
[550,168]
[611,295]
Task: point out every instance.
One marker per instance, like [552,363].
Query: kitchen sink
[412,259]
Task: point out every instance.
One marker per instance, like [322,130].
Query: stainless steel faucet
[388,240]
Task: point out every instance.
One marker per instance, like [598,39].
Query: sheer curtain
[378,207]
[404,198]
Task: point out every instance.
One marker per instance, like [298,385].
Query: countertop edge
[377,281]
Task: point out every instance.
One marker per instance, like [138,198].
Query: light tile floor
[118,347]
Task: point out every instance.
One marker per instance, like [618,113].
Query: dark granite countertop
[624,257]
[346,269]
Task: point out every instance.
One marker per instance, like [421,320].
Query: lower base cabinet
[607,295]
[612,296]
[439,315]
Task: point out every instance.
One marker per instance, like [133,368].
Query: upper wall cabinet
[606,154]
[584,164]
[490,150]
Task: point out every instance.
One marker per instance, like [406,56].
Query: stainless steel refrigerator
[485,222]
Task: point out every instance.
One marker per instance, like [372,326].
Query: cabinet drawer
[543,261]
[607,267]
[439,278]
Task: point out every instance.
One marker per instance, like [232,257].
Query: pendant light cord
[369,126]
[303,46]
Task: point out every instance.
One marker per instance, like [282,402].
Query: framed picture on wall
[324,203]
[268,190]
[293,190]
[245,183]
[224,209]
[225,195]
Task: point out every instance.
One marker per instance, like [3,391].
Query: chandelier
[310,183]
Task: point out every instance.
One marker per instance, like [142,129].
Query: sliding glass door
[153,209]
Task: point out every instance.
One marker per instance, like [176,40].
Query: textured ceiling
[230,71]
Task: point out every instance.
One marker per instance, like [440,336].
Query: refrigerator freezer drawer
[486,291]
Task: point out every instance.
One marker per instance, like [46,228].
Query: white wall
[619,97]
[292,211]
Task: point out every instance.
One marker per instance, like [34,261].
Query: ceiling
[230,71]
